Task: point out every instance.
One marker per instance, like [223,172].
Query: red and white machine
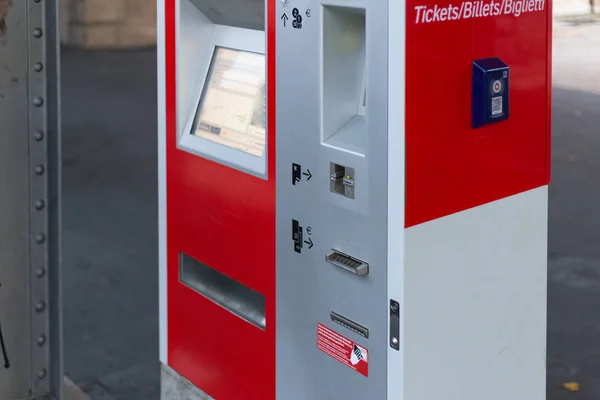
[353,198]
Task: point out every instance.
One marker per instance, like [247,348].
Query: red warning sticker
[342,349]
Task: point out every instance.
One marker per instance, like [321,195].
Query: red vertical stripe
[549,95]
[225,219]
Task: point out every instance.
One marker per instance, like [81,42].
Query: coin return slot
[342,180]
[348,263]
[349,324]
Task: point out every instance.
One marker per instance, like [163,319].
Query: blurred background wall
[575,7]
[113,24]
[108,23]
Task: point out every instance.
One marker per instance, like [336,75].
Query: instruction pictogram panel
[342,349]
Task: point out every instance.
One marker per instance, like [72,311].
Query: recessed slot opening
[239,13]
[228,293]
[348,263]
[342,180]
[344,78]
[349,324]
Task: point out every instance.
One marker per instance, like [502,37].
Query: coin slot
[348,263]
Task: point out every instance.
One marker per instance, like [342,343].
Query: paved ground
[574,271]
[110,219]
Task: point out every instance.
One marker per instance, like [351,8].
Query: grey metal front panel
[29,200]
[308,287]
[15,311]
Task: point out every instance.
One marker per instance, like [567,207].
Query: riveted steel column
[30,314]
[44,145]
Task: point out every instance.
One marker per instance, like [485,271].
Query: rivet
[40,238]
[40,306]
[42,374]
[41,340]
[38,101]
[394,307]
[37,32]
[394,341]
[38,67]
[39,135]
[39,170]
[40,272]
[39,205]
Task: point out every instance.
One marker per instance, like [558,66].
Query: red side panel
[449,166]
[225,219]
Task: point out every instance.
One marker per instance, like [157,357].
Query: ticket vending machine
[354,198]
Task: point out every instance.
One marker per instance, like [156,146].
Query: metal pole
[30,303]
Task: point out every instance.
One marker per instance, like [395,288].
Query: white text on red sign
[476,9]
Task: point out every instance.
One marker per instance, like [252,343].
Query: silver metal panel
[308,287]
[248,14]
[29,205]
[14,205]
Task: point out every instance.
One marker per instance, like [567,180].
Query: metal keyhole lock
[394,325]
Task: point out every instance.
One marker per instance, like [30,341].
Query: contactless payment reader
[490,91]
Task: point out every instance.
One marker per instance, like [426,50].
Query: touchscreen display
[232,107]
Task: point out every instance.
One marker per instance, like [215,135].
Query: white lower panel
[475,303]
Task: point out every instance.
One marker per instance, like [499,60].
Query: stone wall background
[132,23]
[108,23]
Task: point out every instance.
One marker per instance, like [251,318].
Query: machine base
[176,387]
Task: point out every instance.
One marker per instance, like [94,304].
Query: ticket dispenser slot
[233,296]
[249,14]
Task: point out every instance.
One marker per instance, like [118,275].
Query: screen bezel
[241,39]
